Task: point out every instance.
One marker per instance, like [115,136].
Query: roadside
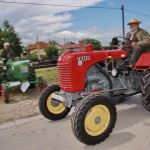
[25,105]
[22,105]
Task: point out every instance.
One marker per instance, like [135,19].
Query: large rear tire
[94,119]
[145,90]
[51,108]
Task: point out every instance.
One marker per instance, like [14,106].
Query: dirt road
[22,105]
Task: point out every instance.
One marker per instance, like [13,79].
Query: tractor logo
[81,59]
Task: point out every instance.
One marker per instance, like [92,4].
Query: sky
[72,23]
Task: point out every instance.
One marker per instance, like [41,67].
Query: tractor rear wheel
[145,90]
[94,119]
[32,76]
[4,93]
[51,108]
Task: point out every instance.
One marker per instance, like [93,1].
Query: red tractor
[91,80]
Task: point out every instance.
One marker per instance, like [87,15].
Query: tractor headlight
[4,67]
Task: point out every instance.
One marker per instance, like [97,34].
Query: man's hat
[6,43]
[134,20]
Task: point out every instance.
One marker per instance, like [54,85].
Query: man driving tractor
[139,41]
[6,52]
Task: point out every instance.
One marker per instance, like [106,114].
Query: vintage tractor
[18,73]
[92,81]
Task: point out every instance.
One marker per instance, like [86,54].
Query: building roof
[39,45]
[69,46]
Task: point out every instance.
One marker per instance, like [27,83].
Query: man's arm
[144,39]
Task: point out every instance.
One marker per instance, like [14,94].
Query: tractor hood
[20,69]
[72,66]
[12,62]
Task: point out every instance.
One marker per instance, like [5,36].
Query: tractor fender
[143,63]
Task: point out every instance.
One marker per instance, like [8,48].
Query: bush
[50,51]
[33,57]
[43,57]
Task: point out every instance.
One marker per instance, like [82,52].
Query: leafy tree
[96,43]
[8,34]
[53,42]
[51,50]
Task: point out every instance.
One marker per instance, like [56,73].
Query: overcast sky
[49,22]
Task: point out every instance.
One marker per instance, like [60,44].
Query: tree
[51,50]
[53,42]
[96,43]
[8,34]
[33,57]
[70,42]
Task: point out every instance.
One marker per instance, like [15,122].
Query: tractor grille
[64,75]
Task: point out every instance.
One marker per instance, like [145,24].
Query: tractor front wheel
[145,90]
[94,119]
[4,93]
[51,108]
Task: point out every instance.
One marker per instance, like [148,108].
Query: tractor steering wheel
[115,41]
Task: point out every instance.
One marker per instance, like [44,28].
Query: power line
[55,5]
[137,13]
[75,6]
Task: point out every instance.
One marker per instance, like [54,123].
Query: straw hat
[134,20]
[6,43]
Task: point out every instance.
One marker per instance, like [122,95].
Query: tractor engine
[106,77]
[95,80]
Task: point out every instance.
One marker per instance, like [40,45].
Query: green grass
[51,75]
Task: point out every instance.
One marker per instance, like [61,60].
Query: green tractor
[16,73]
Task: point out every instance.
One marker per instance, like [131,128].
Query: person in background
[6,52]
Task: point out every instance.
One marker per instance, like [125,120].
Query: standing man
[6,52]
[138,41]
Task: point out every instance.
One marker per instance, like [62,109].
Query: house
[67,47]
[37,48]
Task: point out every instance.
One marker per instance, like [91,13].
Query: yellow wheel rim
[55,108]
[97,120]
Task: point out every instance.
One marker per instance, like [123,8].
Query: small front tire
[51,108]
[4,93]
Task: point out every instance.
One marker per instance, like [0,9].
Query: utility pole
[64,41]
[37,46]
[123,25]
